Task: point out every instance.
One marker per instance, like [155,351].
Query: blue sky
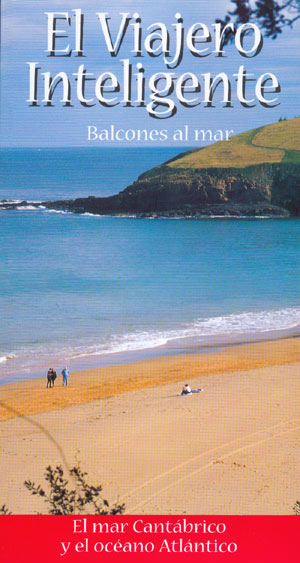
[24,39]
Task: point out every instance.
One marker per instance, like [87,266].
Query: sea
[89,291]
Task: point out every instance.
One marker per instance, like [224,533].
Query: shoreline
[176,346]
[269,211]
[28,397]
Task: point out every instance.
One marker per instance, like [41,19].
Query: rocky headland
[256,173]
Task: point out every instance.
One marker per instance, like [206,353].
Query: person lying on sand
[186,390]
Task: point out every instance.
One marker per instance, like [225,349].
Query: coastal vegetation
[297,508]
[272,16]
[270,144]
[83,498]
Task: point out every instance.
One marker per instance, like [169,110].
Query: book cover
[149,343]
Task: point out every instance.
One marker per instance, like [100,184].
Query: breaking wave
[235,324]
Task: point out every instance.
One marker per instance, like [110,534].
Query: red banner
[242,539]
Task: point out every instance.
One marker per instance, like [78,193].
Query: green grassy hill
[279,142]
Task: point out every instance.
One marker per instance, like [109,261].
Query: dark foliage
[297,508]
[83,499]
[272,16]
[4,510]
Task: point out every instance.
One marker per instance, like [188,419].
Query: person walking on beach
[65,373]
[51,376]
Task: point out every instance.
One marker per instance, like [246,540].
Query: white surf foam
[57,211]
[26,207]
[204,332]
[4,359]
[242,323]
[10,202]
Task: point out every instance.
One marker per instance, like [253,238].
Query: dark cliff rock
[268,190]
[258,190]
[168,190]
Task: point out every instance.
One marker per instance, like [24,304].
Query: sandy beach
[233,449]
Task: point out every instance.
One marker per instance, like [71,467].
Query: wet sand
[233,449]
